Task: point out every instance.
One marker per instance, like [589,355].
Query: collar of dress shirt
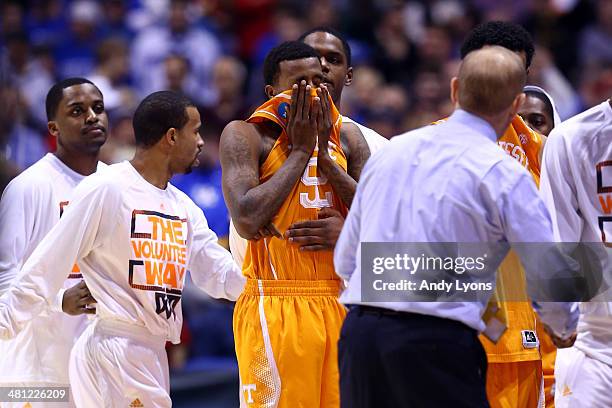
[475,123]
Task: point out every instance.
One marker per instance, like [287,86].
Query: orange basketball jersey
[274,258]
[522,143]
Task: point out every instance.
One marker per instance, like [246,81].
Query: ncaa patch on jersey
[530,339]
[283,107]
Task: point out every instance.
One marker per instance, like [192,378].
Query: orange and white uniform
[287,321]
[514,374]
[134,243]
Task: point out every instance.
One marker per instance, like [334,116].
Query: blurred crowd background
[404,54]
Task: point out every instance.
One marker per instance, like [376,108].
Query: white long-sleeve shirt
[30,206]
[447,183]
[576,186]
[134,243]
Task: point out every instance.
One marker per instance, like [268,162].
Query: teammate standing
[289,160]
[31,205]
[576,188]
[539,112]
[514,374]
[134,236]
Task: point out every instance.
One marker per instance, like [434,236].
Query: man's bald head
[490,80]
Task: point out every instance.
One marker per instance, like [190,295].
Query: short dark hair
[157,113]
[56,93]
[287,51]
[545,100]
[335,33]
[508,35]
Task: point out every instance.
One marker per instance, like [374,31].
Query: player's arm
[253,205]
[344,183]
[558,191]
[16,227]
[21,203]
[87,223]
[211,266]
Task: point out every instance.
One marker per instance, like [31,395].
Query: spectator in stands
[110,74]
[177,36]
[75,54]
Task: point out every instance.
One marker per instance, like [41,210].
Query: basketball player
[539,112]
[290,159]
[31,205]
[576,188]
[134,236]
[514,373]
[335,57]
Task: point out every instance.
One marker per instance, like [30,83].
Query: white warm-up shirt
[576,186]
[134,243]
[30,206]
[238,245]
[449,183]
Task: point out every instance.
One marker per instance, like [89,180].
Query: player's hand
[77,299]
[269,230]
[302,122]
[324,120]
[558,341]
[317,235]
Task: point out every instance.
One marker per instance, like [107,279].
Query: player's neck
[153,167]
[82,163]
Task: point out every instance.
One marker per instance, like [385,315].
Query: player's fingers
[274,231]
[307,103]
[315,111]
[263,231]
[307,224]
[308,240]
[303,232]
[327,212]
[89,300]
[301,100]
[325,104]
[89,310]
[293,105]
[316,247]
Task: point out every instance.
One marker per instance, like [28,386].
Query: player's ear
[269,90]
[53,128]
[454,87]
[171,136]
[348,79]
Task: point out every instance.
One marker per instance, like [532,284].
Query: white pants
[581,381]
[116,364]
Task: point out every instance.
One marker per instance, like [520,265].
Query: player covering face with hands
[287,162]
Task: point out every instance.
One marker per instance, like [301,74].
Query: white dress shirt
[448,183]
[581,208]
[134,242]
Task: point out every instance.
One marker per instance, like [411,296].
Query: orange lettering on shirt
[177,228]
[606,205]
[170,276]
[153,273]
